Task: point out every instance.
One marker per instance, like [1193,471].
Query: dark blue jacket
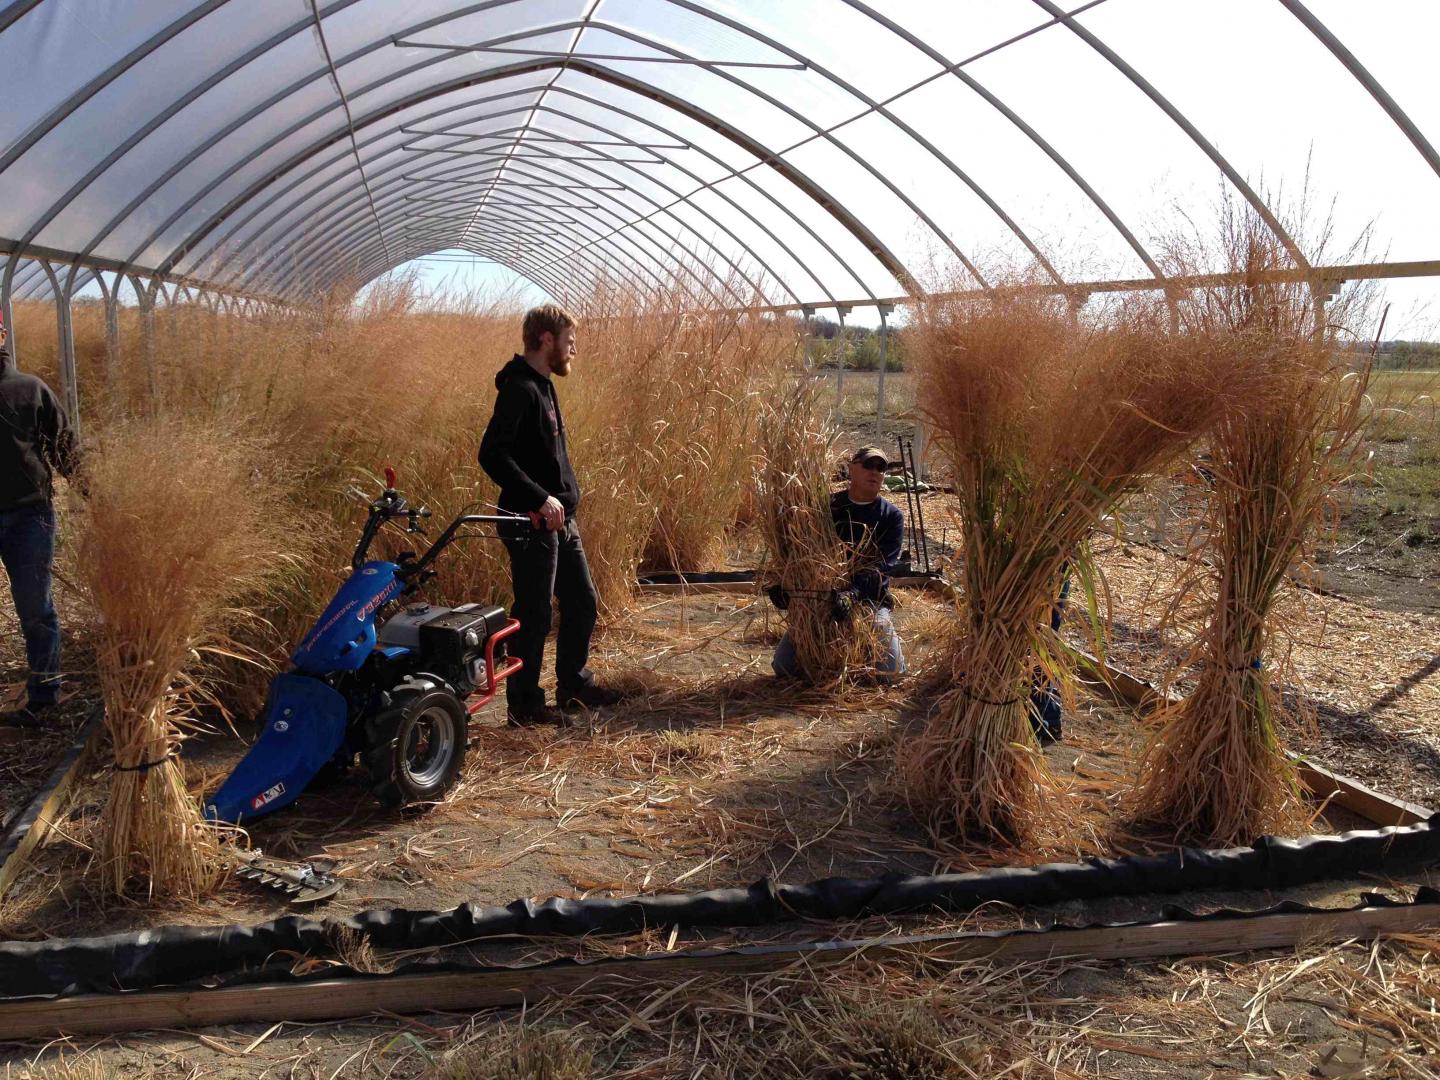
[876,530]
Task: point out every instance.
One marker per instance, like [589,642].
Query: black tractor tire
[414,750]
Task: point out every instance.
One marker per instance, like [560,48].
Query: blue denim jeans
[890,661]
[27,547]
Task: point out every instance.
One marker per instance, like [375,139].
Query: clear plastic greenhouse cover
[810,152]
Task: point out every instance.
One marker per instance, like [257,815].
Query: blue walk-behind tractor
[396,694]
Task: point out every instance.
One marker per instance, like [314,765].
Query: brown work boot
[31,718]
[536,716]
[592,696]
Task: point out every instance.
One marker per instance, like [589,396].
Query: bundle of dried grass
[178,526]
[804,555]
[1217,772]
[1047,422]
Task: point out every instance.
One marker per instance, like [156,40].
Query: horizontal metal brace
[531,136]
[493,155]
[524,184]
[694,62]
[1382,271]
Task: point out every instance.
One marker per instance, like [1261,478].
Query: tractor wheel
[414,750]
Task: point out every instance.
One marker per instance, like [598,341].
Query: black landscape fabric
[180,955]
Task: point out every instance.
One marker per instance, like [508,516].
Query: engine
[448,642]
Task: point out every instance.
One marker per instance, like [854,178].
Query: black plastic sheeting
[695,577]
[282,972]
[183,954]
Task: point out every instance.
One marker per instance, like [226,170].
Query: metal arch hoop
[799,179]
[737,269]
[1014,118]
[1179,118]
[660,263]
[1371,84]
[309,272]
[775,160]
[782,206]
[640,266]
[329,242]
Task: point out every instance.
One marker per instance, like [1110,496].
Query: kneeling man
[875,529]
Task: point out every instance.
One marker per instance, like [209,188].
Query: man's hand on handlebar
[551,515]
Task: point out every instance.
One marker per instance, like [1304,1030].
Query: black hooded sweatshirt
[524,445]
[35,438]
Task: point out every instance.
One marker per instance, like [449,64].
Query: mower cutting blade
[306,883]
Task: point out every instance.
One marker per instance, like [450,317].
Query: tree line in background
[859,346]
[1408,356]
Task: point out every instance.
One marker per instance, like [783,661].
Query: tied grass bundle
[1047,422]
[1217,773]
[804,553]
[177,528]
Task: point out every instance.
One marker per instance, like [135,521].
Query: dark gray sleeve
[55,437]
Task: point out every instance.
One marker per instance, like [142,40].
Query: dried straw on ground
[1218,773]
[803,552]
[178,526]
[1047,422]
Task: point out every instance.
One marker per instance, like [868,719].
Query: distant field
[862,389]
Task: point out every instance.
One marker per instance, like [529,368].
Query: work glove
[842,603]
[778,596]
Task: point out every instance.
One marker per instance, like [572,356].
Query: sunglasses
[875,464]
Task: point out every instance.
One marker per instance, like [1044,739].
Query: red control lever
[389,478]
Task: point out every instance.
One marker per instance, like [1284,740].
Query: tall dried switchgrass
[1218,772]
[1047,420]
[659,409]
[663,415]
[179,525]
[804,555]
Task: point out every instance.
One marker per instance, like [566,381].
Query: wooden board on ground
[679,588]
[93,1014]
[1356,797]
[1144,697]
[33,824]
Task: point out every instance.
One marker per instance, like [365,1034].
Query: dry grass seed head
[1217,772]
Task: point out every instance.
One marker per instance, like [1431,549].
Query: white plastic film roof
[814,151]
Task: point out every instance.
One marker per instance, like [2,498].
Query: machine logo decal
[331,622]
[372,606]
[267,796]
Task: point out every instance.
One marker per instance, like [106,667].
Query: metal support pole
[840,364]
[7,281]
[808,314]
[112,328]
[885,310]
[65,336]
[145,298]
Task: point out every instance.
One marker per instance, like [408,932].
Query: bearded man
[524,451]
